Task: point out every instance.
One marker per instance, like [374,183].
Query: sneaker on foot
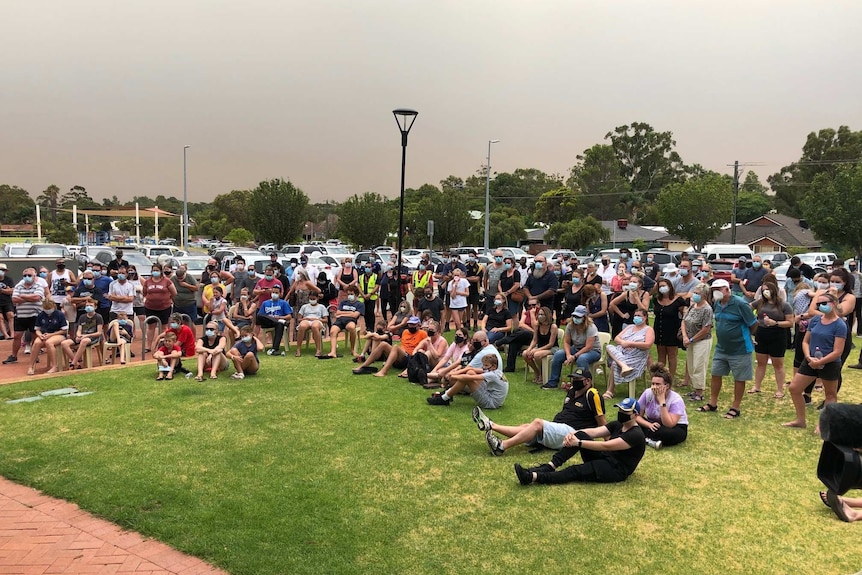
[270,352]
[238,376]
[550,386]
[543,468]
[494,443]
[27,350]
[10,359]
[481,420]
[524,477]
[437,399]
[654,443]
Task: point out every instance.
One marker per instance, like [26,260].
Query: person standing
[753,278]
[734,328]
[187,286]
[697,336]
[58,281]
[542,284]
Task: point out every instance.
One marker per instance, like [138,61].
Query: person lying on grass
[244,352]
[121,331]
[664,420]
[210,351]
[609,461]
[583,407]
[167,356]
[488,387]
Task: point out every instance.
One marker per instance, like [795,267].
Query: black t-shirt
[628,458]
[497,318]
[6,282]
[538,285]
[435,306]
[115,265]
[473,270]
[581,412]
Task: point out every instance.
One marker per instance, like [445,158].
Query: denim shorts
[740,366]
[553,434]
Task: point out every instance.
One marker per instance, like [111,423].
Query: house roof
[783,230]
[631,233]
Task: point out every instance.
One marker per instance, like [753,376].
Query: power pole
[735,196]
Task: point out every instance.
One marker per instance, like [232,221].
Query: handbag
[517,296]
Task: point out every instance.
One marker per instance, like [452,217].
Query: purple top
[652,408]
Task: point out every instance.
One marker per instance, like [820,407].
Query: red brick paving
[41,534]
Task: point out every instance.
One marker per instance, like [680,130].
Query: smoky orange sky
[105,94]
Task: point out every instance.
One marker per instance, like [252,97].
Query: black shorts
[139,310]
[25,324]
[401,363]
[473,298]
[342,323]
[164,315]
[829,372]
[6,308]
[105,312]
[771,341]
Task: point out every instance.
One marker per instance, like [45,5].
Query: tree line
[636,173]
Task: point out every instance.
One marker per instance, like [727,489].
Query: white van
[726,251]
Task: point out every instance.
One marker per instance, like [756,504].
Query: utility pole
[735,196]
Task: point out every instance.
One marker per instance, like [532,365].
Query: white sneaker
[27,349]
[654,443]
[238,376]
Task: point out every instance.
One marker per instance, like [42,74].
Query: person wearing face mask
[735,326]
[121,294]
[473,275]
[51,328]
[219,313]
[697,335]
[853,268]
[369,288]
[27,297]
[346,318]
[185,337]
[244,354]
[395,356]
[510,285]
[84,291]
[264,286]
[88,334]
[824,343]
[458,290]
[669,308]
[450,360]
[752,278]
[187,286]
[121,331]
[372,340]
[433,347]
[685,281]
[242,278]
[498,322]
[210,350]
[398,323]
[493,272]
[572,297]
[651,268]
[543,343]
[431,303]
[159,293]
[632,349]
[610,461]
[115,264]
[58,280]
[664,420]
[607,271]
[840,282]
[542,284]
[311,318]
[103,281]
[7,310]
[488,387]
[348,277]
[583,407]
[275,314]
[774,319]
[632,298]
[581,346]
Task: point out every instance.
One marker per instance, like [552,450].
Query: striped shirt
[28,309]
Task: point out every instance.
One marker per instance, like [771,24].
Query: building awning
[125,212]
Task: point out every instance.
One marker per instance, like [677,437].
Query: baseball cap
[629,404]
[580,311]
[743,259]
[581,373]
[3,267]
[414,319]
[720,284]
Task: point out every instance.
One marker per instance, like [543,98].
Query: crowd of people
[547,311]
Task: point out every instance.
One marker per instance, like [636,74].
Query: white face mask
[767,294]
[717,295]
[822,285]
[663,289]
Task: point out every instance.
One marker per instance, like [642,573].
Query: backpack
[418,367]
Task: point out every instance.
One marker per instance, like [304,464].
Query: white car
[516,254]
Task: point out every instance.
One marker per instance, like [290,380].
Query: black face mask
[412,329]
[578,384]
[380,332]
[624,417]
[61,266]
[459,339]
[476,346]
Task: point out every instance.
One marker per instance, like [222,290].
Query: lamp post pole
[405,118]
[488,197]
[184,232]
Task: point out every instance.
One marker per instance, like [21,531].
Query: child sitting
[121,331]
[168,355]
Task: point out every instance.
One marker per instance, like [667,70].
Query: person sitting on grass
[275,313]
[184,333]
[168,356]
[311,317]
[583,407]
[847,509]
[450,360]
[89,333]
[396,356]
[372,340]
[210,351]
[244,352]
[348,313]
[435,345]
[664,419]
[608,461]
[488,387]
[121,331]
[51,330]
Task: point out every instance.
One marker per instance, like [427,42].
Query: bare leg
[797,387]
[714,389]
[394,354]
[778,368]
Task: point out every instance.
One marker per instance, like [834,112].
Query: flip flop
[752,390]
[198,378]
[608,395]
[837,505]
[777,395]
[824,499]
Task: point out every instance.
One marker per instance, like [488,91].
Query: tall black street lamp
[405,119]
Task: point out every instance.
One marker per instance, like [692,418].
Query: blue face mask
[755,265]
[637,320]
[43,275]
[576,280]
[507,266]
[499,260]
[539,265]
[210,332]
[421,268]
[824,307]
[577,320]
[174,325]
[696,298]
[97,273]
[88,283]
[156,274]
[89,309]
[683,272]
[214,279]
[121,321]
[121,277]
[557,272]
[368,270]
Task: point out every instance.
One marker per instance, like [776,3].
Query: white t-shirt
[123,289]
[458,301]
[308,311]
[488,349]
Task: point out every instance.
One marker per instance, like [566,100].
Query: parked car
[777,258]
[553,256]
[153,253]
[663,257]
[727,251]
[821,259]
[104,255]
[17,250]
[49,251]
[723,268]
[516,253]
[168,242]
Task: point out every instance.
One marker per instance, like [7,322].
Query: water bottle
[817,353]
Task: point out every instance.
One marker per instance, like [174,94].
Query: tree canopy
[365,220]
[696,209]
[278,211]
[833,206]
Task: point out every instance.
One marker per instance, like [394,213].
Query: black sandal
[708,407]
[732,413]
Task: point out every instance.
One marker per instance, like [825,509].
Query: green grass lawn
[307,468]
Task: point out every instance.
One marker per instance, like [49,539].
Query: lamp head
[405,118]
